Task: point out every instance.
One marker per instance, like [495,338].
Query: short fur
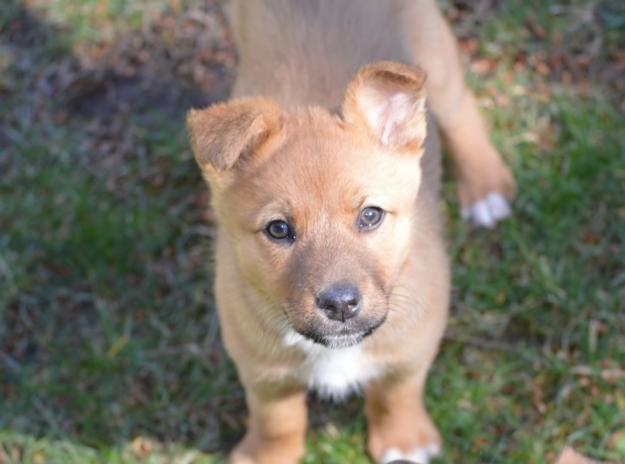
[316,134]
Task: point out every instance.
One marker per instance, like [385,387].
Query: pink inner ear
[393,114]
[390,116]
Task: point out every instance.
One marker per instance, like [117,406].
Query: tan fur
[236,127]
[278,151]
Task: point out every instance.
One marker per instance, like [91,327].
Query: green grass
[109,343]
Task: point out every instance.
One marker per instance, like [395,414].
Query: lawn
[109,343]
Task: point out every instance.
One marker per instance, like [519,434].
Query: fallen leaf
[617,441]
[570,456]
[483,66]
[535,29]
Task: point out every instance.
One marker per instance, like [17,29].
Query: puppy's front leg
[484,182]
[399,426]
[277,425]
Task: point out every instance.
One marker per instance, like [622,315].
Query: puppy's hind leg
[485,184]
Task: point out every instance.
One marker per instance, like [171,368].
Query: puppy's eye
[280,230]
[370,218]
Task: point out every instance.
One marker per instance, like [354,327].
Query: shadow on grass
[107,330]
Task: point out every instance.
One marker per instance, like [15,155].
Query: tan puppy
[331,269]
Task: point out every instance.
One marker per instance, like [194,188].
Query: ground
[109,344]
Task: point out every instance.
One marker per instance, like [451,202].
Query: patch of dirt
[105,96]
[589,51]
[23,30]
[180,60]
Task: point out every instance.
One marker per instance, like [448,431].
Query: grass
[109,344]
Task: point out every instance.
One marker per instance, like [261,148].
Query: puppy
[331,270]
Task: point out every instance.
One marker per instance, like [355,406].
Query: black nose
[340,301]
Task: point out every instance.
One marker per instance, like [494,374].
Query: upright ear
[387,99]
[225,134]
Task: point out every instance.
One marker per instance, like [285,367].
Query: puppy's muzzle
[340,301]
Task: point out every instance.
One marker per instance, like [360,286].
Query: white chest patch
[332,372]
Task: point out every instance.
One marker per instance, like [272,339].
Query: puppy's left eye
[370,218]
[279,230]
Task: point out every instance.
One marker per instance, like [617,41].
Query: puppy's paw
[421,455]
[485,186]
[251,450]
[488,211]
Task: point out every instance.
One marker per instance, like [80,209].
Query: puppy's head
[319,208]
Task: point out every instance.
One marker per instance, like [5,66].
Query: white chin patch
[488,211]
[417,455]
[334,371]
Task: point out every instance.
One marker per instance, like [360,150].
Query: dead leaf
[468,45]
[535,29]
[570,456]
[142,447]
[617,440]
[483,66]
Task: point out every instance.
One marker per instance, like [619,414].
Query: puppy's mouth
[343,339]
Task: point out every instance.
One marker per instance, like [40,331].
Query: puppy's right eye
[280,230]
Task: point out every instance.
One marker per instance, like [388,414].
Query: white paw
[417,455]
[486,212]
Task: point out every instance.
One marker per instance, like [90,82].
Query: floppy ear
[225,134]
[387,99]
